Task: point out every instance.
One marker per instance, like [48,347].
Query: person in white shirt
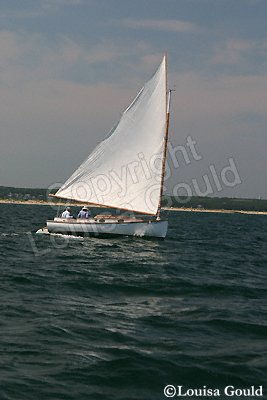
[66,213]
[84,213]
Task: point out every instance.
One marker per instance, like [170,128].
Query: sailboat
[125,171]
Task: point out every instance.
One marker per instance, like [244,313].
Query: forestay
[124,171]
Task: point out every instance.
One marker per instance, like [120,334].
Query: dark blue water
[122,318]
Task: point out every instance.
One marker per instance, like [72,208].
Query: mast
[165,142]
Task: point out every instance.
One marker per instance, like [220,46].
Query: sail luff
[164,153]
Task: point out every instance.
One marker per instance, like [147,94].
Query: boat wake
[44,231]
[9,234]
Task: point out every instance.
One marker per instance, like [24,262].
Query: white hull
[91,227]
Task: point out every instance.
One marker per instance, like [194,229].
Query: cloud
[29,60]
[236,51]
[219,99]
[21,14]
[40,9]
[63,3]
[9,48]
[25,57]
[168,25]
[102,53]
[51,119]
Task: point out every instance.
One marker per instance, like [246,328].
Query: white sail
[124,171]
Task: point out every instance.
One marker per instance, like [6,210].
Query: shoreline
[178,209]
[40,203]
[34,202]
[221,211]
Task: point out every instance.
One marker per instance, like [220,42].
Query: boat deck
[100,219]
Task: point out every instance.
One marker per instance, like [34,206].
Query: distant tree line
[216,203]
[12,193]
[209,203]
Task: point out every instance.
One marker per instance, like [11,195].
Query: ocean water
[88,318]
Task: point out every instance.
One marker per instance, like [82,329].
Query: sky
[68,69]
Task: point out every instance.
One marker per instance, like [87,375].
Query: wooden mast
[165,141]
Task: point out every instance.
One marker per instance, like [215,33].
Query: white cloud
[168,25]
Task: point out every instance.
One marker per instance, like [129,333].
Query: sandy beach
[178,209]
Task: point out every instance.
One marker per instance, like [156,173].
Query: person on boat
[66,213]
[84,213]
